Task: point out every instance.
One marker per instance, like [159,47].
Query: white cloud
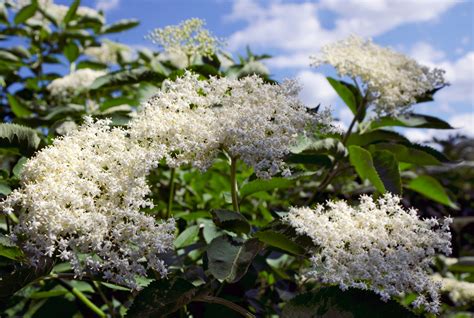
[107,5]
[296,28]
[316,89]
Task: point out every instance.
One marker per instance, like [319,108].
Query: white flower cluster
[80,201]
[392,80]
[189,37]
[74,83]
[378,246]
[460,292]
[109,52]
[248,118]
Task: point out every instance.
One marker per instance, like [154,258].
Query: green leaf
[127,77]
[388,171]
[71,51]
[411,121]
[187,237]
[5,188]
[91,64]
[9,250]
[415,154]
[231,221]
[264,185]
[344,93]
[331,302]
[24,138]
[18,168]
[374,137]
[229,257]
[280,241]
[463,265]
[164,297]
[363,163]
[20,110]
[3,14]
[8,56]
[26,12]
[308,158]
[120,26]
[432,189]
[71,12]
[331,146]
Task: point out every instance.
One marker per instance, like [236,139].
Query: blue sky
[435,32]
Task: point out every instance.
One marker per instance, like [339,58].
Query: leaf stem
[96,287]
[221,301]
[169,208]
[233,184]
[80,296]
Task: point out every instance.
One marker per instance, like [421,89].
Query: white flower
[392,80]
[109,52]
[74,83]
[378,246]
[249,119]
[189,37]
[460,292]
[80,200]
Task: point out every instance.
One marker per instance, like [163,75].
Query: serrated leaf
[280,241]
[264,185]
[331,302]
[411,121]
[432,189]
[20,110]
[363,163]
[187,237]
[9,250]
[127,77]
[375,136]
[120,26]
[24,138]
[387,169]
[344,93]
[408,153]
[229,257]
[26,12]
[230,221]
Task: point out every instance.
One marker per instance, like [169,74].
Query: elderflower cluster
[74,83]
[249,119]
[81,199]
[109,52]
[460,292]
[378,246]
[393,81]
[189,38]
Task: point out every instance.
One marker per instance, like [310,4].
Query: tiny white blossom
[74,83]
[109,52]
[80,200]
[189,37]
[460,292]
[377,245]
[393,80]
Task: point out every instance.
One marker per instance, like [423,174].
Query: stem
[171,197]
[233,184]
[80,296]
[217,300]
[96,287]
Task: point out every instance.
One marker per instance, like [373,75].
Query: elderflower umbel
[251,120]
[109,52]
[460,292]
[393,81]
[80,200]
[74,83]
[377,245]
[189,37]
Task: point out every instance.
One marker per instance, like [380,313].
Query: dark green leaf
[280,241]
[229,258]
[71,12]
[26,12]
[5,188]
[71,51]
[91,65]
[432,189]
[411,121]
[409,153]
[308,158]
[387,169]
[363,163]
[331,302]
[264,185]
[345,93]
[374,136]
[24,138]
[17,107]
[127,77]
[120,26]
[18,168]
[463,265]
[231,221]
[187,237]
[164,297]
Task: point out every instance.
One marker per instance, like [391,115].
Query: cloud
[297,30]
[316,89]
[107,5]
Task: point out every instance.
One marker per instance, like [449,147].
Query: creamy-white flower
[109,52]
[392,80]
[74,83]
[80,200]
[377,245]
